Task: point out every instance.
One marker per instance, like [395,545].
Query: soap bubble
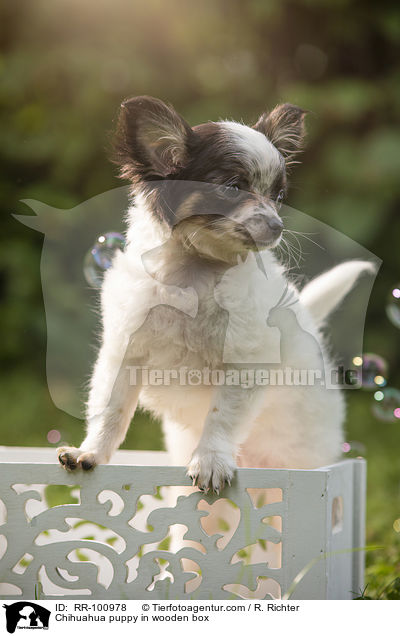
[372,370]
[53,436]
[393,306]
[99,258]
[386,406]
[353,448]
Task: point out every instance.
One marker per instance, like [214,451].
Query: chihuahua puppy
[198,300]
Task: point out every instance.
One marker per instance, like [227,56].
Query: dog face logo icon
[26,615]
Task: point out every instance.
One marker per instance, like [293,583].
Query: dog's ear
[284,127]
[152,139]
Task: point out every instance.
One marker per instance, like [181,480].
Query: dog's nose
[265,228]
[275,224]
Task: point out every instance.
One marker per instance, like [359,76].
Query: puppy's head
[219,186]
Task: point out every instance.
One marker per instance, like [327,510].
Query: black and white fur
[206,207]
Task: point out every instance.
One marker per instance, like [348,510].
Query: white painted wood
[305,536]
[35,455]
[339,561]
[359,518]
[39,544]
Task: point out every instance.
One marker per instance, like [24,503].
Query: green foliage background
[65,66]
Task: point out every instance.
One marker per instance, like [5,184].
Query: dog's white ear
[284,127]
[152,138]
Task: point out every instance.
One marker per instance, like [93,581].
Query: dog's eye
[280,198]
[231,191]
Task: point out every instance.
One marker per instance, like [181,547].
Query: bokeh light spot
[53,436]
[386,407]
[396,525]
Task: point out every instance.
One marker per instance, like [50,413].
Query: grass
[381,440]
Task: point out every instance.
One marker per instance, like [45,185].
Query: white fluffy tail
[323,294]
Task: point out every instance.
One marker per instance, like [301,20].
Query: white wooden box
[111,539]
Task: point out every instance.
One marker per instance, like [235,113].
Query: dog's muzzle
[265,229]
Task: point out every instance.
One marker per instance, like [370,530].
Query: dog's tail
[323,294]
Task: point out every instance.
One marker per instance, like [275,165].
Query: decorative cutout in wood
[127,532]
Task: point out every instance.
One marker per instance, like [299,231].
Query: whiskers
[291,248]
[291,253]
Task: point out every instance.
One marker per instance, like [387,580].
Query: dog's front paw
[211,470]
[71,458]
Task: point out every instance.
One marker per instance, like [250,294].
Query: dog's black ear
[284,127]
[152,139]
